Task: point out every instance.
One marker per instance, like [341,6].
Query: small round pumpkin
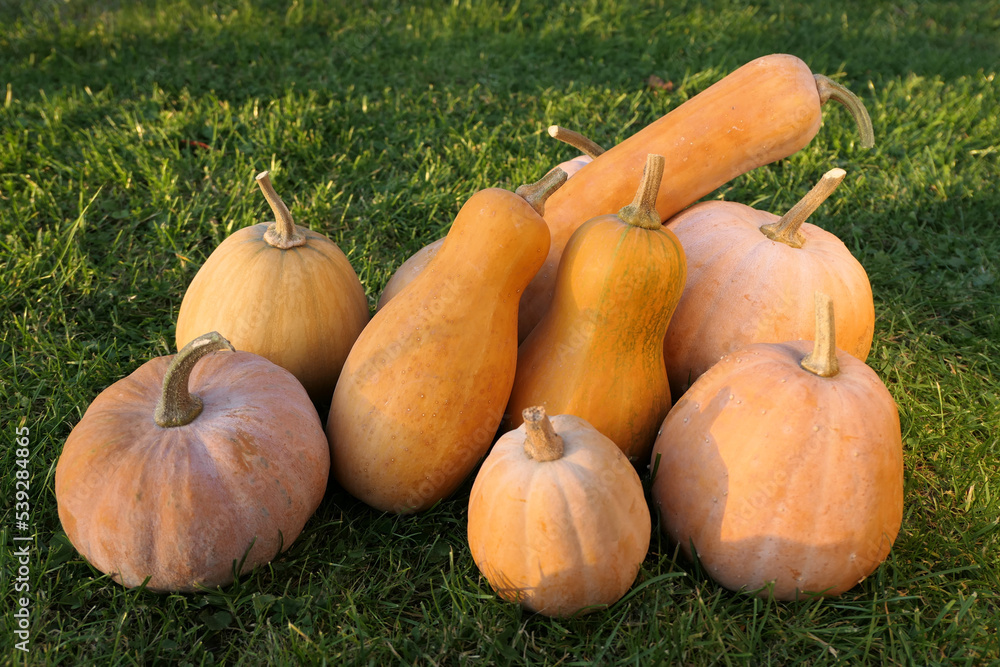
[281,291]
[751,278]
[190,466]
[782,466]
[557,517]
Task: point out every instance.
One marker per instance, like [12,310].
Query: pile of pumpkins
[565,316]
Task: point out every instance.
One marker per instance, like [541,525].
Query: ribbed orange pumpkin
[557,517]
[598,352]
[423,389]
[782,467]
[190,464]
[284,292]
[751,279]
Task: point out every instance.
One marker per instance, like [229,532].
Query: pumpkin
[281,291]
[423,390]
[416,263]
[762,112]
[190,466]
[781,468]
[558,521]
[751,279]
[598,352]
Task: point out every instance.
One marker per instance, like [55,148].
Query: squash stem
[536,194]
[578,141]
[177,405]
[786,230]
[541,442]
[831,90]
[822,360]
[282,233]
[642,211]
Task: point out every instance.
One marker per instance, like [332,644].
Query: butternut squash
[423,389]
[598,351]
[766,110]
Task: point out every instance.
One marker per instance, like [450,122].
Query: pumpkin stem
[282,233]
[177,405]
[822,360]
[578,141]
[786,230]
[537,193]
[642,211]
[831,90]
[541,443]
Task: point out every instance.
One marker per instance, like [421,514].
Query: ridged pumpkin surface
[181,504]
[775,475]
[561,536]
[424,387]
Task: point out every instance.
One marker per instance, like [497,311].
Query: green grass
[377,122]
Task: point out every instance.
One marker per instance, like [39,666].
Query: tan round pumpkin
[782,468]
[281,291]
[557,517]
[190,466]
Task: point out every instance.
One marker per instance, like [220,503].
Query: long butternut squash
[424,387]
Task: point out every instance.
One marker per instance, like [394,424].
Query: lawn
[129,136]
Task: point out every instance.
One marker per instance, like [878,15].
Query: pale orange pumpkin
[191,466]
[281,291]
[424,387]
[557,517]
[751,279]
[781,468]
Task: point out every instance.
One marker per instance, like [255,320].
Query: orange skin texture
[598,351]
[419,260]
[744,288]
[775,474]
[766,110]
[301,307]
[181,504]
[560,537]
[423,390]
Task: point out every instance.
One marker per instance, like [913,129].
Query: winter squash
[751,279]
[424,387]
[598,351]
[762,112]
[416,263]
[281,291]
[191,465]
[781,468]
[557,517]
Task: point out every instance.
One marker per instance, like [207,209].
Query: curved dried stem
[177,405]
[786,230]
[578,141]
[283,233]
